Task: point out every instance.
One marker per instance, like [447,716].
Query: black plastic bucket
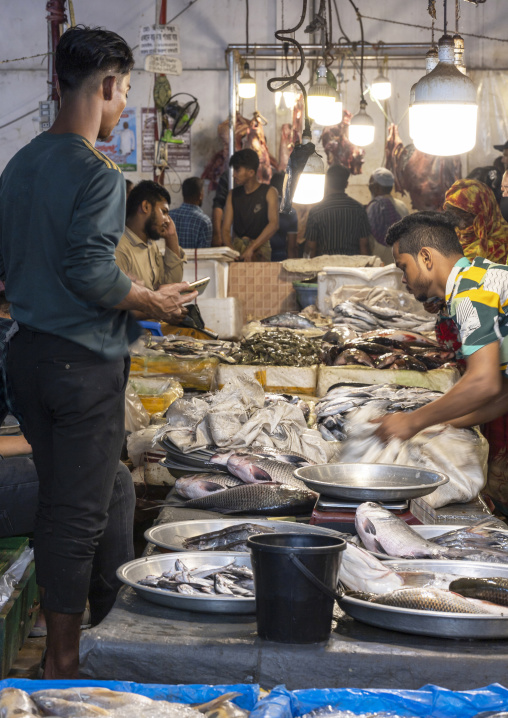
[296,578]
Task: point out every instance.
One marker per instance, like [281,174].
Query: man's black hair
[245,158]
[425,229]
[192,188]
[83,51]
[146,190]
[337,178]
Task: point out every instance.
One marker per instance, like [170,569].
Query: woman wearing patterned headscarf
[480,225]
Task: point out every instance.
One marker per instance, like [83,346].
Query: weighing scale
[340,515]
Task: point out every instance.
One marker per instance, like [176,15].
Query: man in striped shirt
[193,226]
[339,224]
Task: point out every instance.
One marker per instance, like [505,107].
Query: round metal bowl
[130,573]
[172,536]
[370,482]
[433,623]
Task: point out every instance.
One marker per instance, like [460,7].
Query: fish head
[244,467]
[360,571]
[221,458]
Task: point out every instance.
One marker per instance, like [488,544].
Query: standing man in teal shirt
[62,210]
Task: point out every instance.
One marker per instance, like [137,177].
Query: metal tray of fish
[431,531]
[172,536]
[370,482]
[433,623]
[133,571]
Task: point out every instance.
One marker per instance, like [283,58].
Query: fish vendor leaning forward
[427,250]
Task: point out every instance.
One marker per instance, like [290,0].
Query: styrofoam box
[331,278]
[286,379]
[216,270]
[434,379]
[222,315]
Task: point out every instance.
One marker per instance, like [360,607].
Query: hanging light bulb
[321,98]
[431,59]
[444,112]
[310,187]
[247,84]
[381,88]
[361,129]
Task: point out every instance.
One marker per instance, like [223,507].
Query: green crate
[17,615]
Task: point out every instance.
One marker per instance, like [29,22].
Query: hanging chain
[457,16]
[432,34]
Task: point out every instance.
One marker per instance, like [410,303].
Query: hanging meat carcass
[339,150]
[425,177]
[254,139]
[219,162]
[286,145]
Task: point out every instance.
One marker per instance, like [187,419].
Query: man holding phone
[147,220]
[68,361]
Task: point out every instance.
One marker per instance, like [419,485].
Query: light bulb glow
[332,115]
[247,88]
[381,88]
[278,99]
[310,188]
[443,129]
[361,135]
[320,107]
[289,98]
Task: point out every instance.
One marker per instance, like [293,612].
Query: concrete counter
[142,642]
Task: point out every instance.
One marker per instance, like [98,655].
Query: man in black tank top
[251,209]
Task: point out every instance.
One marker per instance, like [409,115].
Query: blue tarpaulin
[428,702]
[178,694]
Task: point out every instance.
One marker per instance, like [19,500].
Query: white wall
[205,30]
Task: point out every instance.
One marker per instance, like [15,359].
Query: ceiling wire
[426,27]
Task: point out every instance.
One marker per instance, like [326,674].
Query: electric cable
[284,36]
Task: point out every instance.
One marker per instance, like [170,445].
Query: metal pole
[56,18]
[232,70]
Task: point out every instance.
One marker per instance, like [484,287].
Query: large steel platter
[171,536]
[433,623]
[130,573]
[370,482]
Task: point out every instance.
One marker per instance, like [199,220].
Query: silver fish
[215,540]
[250,469]
[384,532]
[289,320]
[429,599]
[15,703]
[266,499]
[196,486]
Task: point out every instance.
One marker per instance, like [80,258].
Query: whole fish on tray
[382,531]
[429,599]
[477,536]
[493,589]
[223,539]
[250,469]
[268,499]
[289,320]
[230,580]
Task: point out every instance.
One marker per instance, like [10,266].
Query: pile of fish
[386,348]
[229,581]
[366,308]
[246,483]
[383,532]
[289,320]
[366,578]
[86,701]
[183,347]
[279,347]
[331,712]
[335,408]
[231,538]
[365,318]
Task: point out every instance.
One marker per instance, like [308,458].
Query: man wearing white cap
[383,211]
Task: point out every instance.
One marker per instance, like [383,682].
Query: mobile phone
[199,286]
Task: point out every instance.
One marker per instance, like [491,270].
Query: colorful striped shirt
[477,301]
